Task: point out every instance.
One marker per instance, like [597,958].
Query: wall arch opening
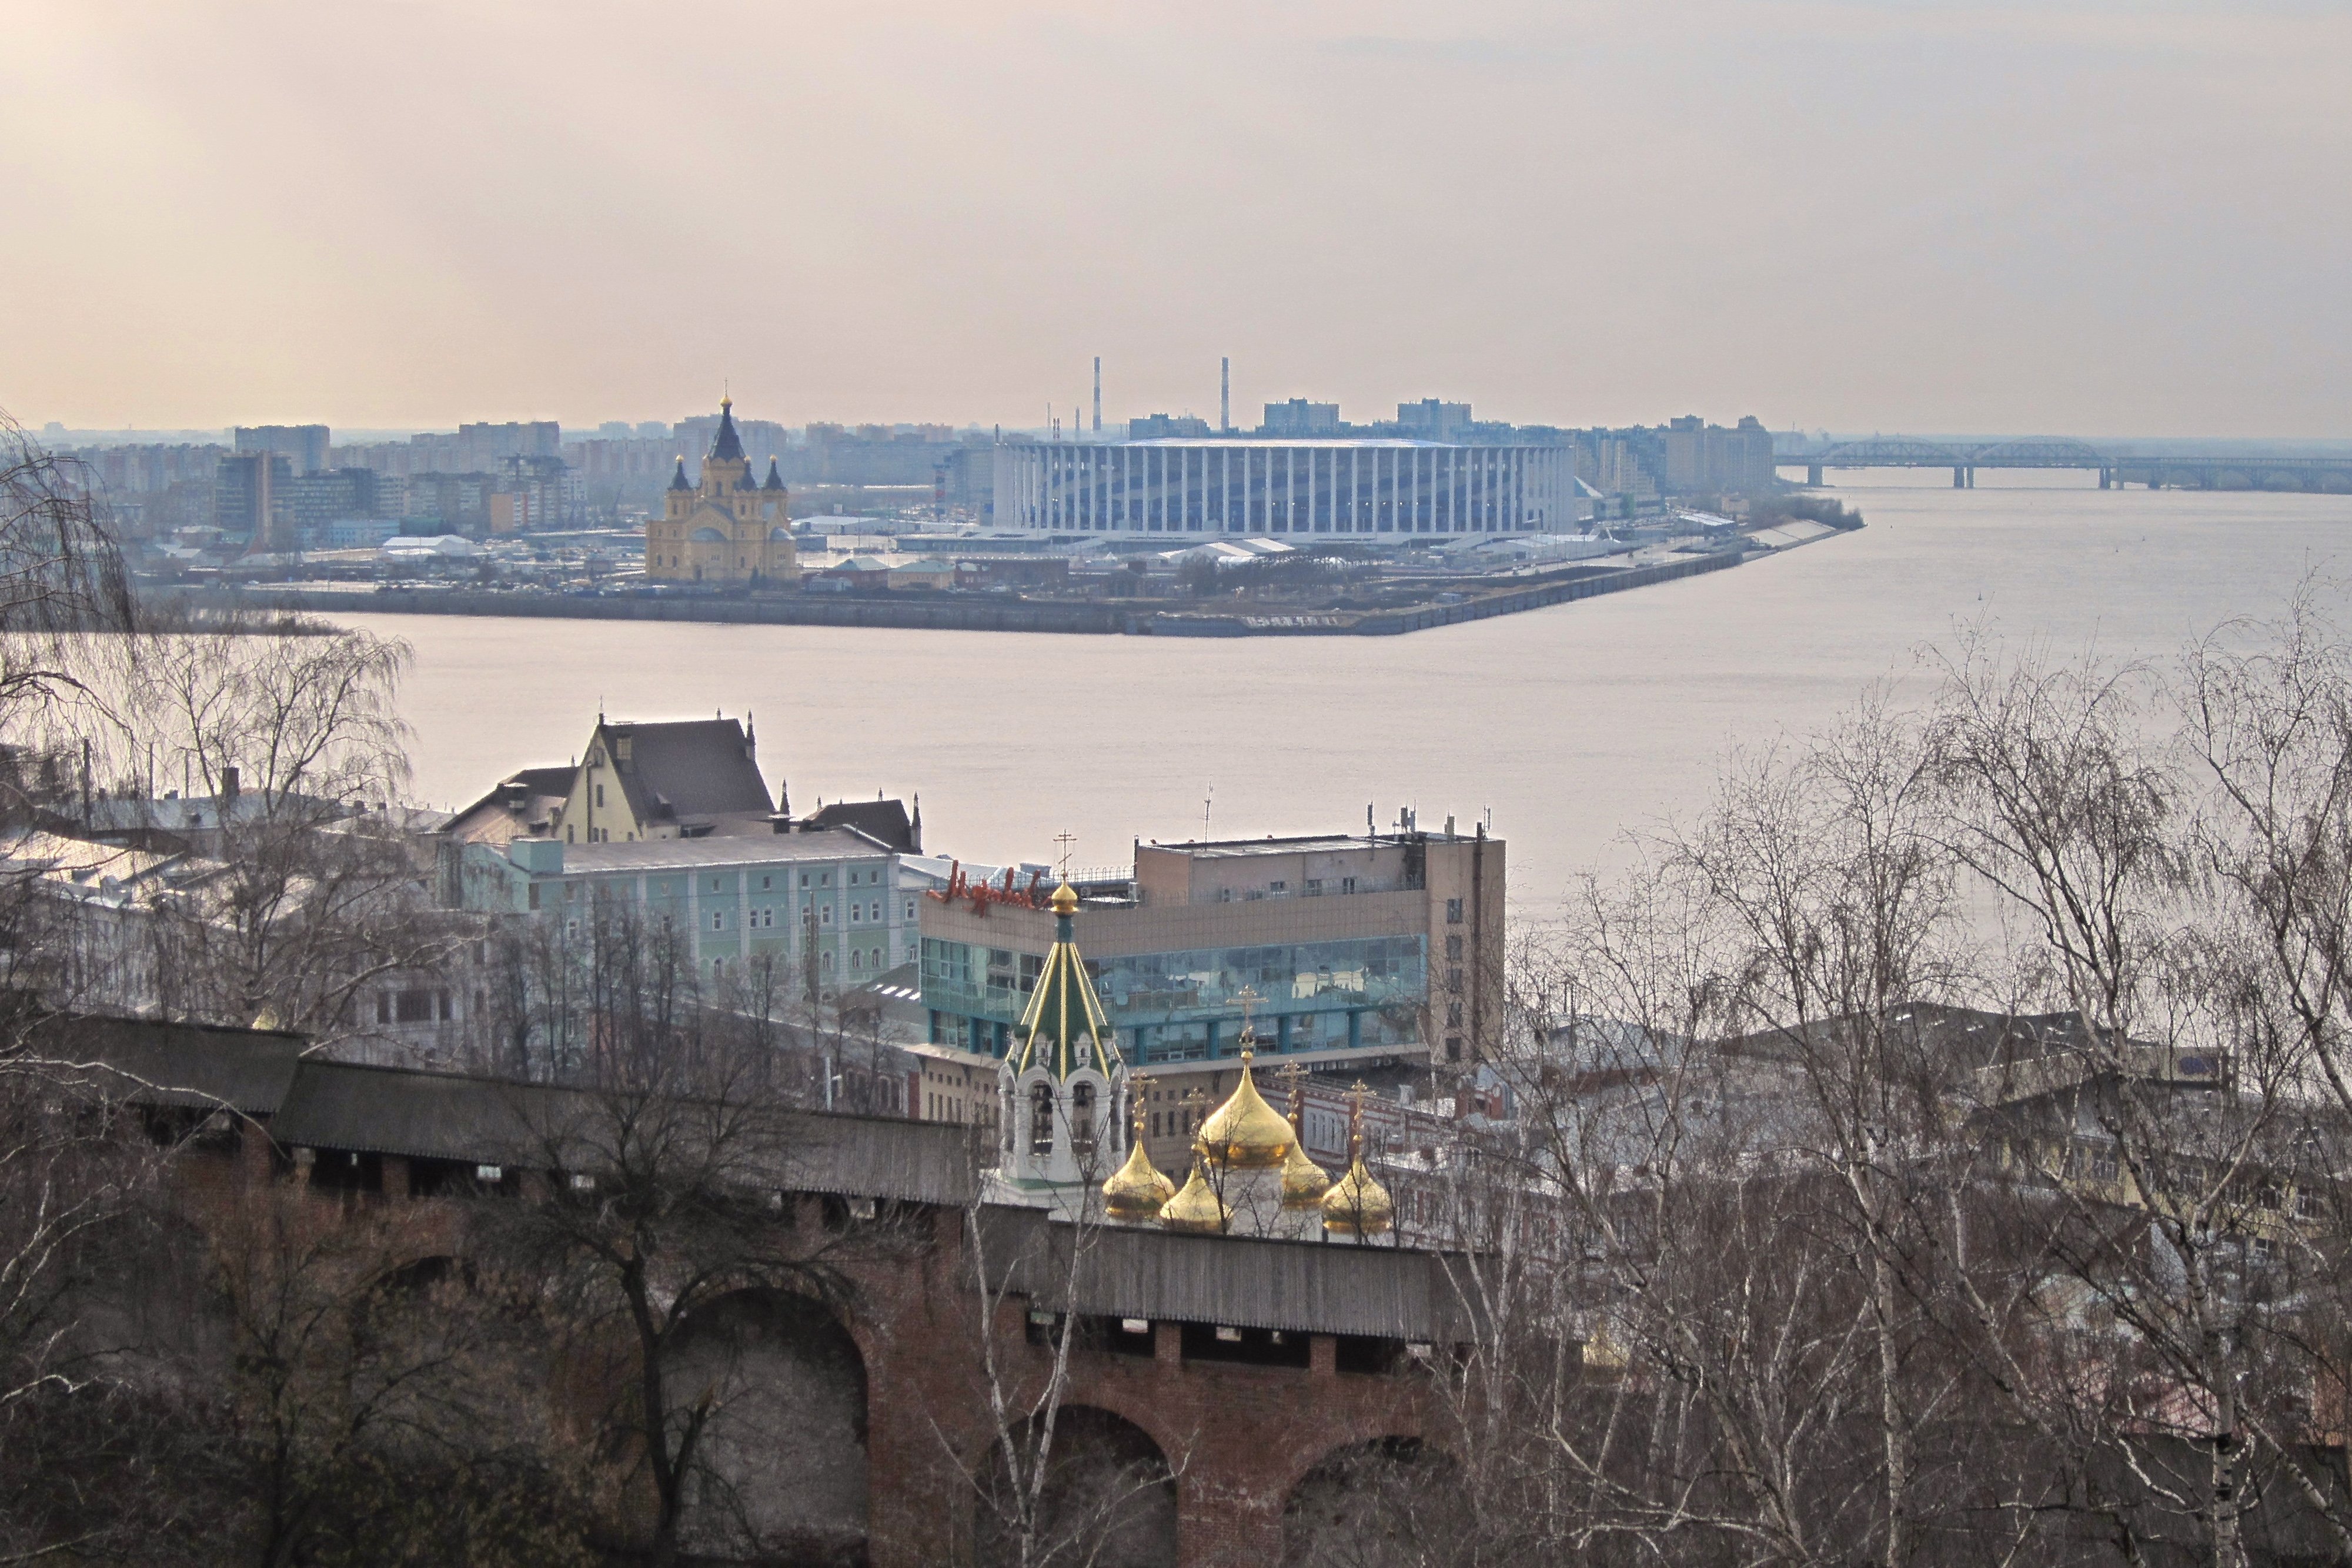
[780,1478]
[1386,1504]
[1108,1501]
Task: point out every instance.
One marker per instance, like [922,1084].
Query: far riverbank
[1478,599]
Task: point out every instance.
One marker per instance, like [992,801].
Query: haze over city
[1292,785]
[2094,218]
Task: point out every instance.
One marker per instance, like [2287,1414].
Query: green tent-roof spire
[1066,1029]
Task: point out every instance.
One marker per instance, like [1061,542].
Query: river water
[1571,724]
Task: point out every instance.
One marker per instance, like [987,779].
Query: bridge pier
[2105,475]
[1813,474]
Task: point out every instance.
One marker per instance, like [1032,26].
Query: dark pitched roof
[1297,1287]
[775,479]
[885,820]
[694,768]
[727,446]
[159,1063]
[517,796]
[678,480]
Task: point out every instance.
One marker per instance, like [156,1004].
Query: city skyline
[2087,218]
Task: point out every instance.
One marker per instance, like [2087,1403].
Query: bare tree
[1055,1487]
[382,1405]
[673,1152]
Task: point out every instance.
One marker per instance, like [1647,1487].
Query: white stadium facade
[1213,486]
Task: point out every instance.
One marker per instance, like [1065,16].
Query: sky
[2081,216]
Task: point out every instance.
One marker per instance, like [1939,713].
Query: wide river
[1571,724]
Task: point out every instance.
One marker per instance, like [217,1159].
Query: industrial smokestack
[1225,395]
[1098,395]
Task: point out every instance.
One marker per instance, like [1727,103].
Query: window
[383,1007]
[1452,979]
[600,795]
[824,915]
[534,895]
[1454,1015]
[1347,884]
[1082,1121]
[1277,887]
[1314,888]
[1452,1047]
[1041,1119]
[805,879]
[714,885]
[764,885]
[719,920]
[910,909]
[825,962]
[1454,948]
[413,1006]
[1453,912]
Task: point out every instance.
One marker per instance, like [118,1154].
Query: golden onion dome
[1197,1208]
[1137,1191]
[1246,1133]
[1357,1204]
[1303,1182]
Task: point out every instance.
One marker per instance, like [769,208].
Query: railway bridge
[2211,470]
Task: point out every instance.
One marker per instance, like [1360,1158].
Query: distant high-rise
[1430,420]
[1098,395]
[338,495]
[486,443]
[1298,418]
[1702,457]
[252,499]
[305,446]
[1225,395]
[1165,427]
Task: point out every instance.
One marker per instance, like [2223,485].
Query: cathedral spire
[727,446]
[678,480]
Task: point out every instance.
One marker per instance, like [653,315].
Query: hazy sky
[2094,218]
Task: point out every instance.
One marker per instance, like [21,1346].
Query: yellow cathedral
[730,527]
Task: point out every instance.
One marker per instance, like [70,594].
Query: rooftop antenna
[1208,800]
[1225,395]
[1098,395]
